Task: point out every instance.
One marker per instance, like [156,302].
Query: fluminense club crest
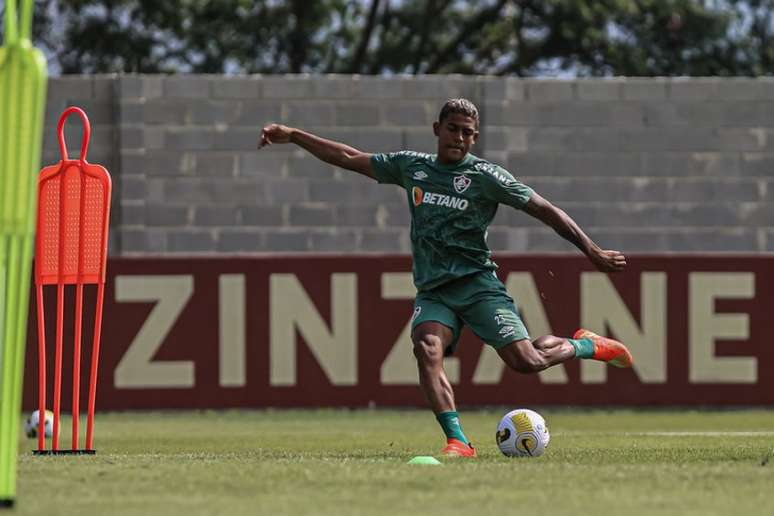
[461,183]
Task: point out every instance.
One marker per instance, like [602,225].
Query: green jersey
[451,207]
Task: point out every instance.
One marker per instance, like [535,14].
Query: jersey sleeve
[502,187]
[389,168]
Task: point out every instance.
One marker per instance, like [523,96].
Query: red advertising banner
[301,331]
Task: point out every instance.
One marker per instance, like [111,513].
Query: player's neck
[450,162]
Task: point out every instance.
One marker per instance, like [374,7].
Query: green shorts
[478,300]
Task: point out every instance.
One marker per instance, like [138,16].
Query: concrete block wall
[642,164]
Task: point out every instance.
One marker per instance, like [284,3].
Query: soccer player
[453,196]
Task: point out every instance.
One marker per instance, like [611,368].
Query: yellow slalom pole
[22,104]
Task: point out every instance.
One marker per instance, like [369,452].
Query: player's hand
[274,133]
[609,261]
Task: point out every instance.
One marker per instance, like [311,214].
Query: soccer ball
[31,424]
[522,433]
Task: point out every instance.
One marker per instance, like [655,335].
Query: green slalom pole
[22,105]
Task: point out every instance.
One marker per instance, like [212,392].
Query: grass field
[354,462]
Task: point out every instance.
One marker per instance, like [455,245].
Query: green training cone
[423,459]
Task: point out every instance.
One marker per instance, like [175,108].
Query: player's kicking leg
[430,340]
[530,357]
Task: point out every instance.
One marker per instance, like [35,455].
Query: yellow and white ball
[31,424]
[522,433]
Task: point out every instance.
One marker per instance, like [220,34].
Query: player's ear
[436,128]
[475,136]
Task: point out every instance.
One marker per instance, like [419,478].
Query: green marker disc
[423,459]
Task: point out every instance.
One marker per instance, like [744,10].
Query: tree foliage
[503,37]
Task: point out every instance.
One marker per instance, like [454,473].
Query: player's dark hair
[460,106]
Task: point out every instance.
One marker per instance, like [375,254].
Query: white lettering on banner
[231,363]
[137,370]
[706,326]
[291,309]
[335,346]
[521,287]
[602,308]
[400,366]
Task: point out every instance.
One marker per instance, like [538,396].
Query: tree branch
[471,26]
[357,61]
[386,17]
[299,39]
[419,54]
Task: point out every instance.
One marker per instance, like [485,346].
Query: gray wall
[642,164]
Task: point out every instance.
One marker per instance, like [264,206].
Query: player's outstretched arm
[329,151]
[604,260]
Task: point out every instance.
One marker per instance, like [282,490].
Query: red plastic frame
[78,192]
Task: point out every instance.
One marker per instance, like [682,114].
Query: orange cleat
[456,448]
[607,350]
